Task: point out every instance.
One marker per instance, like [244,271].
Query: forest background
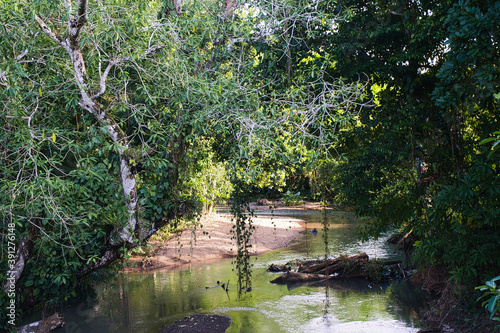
[121,117]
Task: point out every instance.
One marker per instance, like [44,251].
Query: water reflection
[147,302]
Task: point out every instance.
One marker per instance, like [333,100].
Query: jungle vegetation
[119,117]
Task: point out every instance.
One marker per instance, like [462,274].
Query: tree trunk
[19,262]
[72,46]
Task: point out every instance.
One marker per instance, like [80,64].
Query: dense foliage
[414,158]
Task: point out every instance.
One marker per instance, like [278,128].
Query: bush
[462,228]
[492,304]
[290,199]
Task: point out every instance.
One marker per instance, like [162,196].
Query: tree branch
[82,11]
[154,48]
[102,83]
[19,57]
[77,24]
[49,33]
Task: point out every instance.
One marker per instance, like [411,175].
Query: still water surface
[147,302]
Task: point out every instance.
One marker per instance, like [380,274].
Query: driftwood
[45,325]
[333,265]
[357,266]
[278,268]
[305,268]
[298,277]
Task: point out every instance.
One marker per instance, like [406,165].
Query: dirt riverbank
[213,239]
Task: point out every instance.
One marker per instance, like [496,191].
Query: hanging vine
[242,230]
[326,226]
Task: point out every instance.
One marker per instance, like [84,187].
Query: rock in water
[44,326]
[200,324]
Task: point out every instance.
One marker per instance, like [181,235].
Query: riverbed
[149,301]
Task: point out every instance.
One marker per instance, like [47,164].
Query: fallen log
[321,268]
[357,266]
[45,325]
[342,264]
[298,277]
[278,268]
[358,257]
[335,268]
[318,267]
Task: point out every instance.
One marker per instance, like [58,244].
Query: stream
[147,302]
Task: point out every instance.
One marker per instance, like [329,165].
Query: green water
[147,302]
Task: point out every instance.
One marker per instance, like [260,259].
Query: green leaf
[492,304]
[487,140]
[490,284]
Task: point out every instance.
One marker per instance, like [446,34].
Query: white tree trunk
[72,45]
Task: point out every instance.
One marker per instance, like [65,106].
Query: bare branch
[19,57]
[49,33]
[154,48]
[104,77]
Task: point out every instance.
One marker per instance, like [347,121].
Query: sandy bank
[213,240]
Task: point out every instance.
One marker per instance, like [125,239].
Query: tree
[466,207]
[399,45]
[414,157]
[99,99]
